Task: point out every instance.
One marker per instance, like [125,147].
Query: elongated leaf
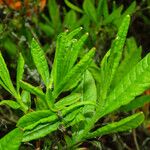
[5,77]
[40,61]
[114,15]
[68,100]
[32,89]
[70,20]
[33,117]
[12,140]
[47,29]
[40,131]
[138,102]
[130,10]
[111,61]
[74,75]
[46,128]
[88,91]
[54,13]
[134,84]
[26,98]
[20,70]
[90,10]
[105,9]
[74,7]
[32,120]
[100,8]
[123,125]
[132,55]
[10,103]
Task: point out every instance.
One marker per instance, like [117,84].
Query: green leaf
[130,10]
[132,55]
[40,61]
[40,131]
[112,58]
[100,8]
[90,10]
[73,76]
[54,13]
[114,15]
[88,91]
[34,90]
[33,117]
[26,98]
[47,29]
[44,128]
[120,126]
[5,77]
[68,100]
[10,103]
[132,85]
[105,9]
[70,20]
[67,50]
[20,70]
[12,140]
[137,103]
[73,7]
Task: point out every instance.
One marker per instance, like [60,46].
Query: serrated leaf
[12,140]
[132,55]
[125,124]
[74,75]
[111,61]
[20,70]
[137,103]
[34,90]
[40,61]
[5,77]
[132,85]
[10,103]
[90,10]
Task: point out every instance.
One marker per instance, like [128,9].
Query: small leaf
[26,98]
[20,70]
[90,10]
[34,90]
[40,61]
[54,13]
[120,126]
[12,140]
[137,103]
[5,77]
[70,20]
[68,100]
[10,103]
[113,16]
[73,7]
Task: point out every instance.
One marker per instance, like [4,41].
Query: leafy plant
[77,92]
